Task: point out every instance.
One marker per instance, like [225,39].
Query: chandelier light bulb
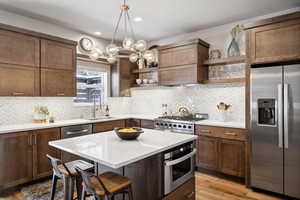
[112,49]
[99,51]
[140,45]
[148,55]
[133,57]
[128,43]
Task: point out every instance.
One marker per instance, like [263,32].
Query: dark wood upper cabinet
[274,40]
[232,157]
[19,49]
[207,152]
[41,164]
[58,83]
[15,159]
[26,61]
[182,63]
[19,81]
[57,55]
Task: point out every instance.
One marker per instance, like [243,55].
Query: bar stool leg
[82,194]
[68,187]
[130,194]
[78,183]
[53,188]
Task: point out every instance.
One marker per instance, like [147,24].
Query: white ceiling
[162,18]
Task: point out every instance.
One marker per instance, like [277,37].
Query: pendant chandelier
[136,49]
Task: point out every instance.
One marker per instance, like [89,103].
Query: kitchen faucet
[94,109]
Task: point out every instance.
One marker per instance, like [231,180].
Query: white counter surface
[108,149]
[229,124]
[62,123]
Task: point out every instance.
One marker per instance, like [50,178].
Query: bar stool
[104,186]
[67,172]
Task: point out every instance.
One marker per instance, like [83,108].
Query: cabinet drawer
[184,192]
[19,81]
[220,132]
[107,126]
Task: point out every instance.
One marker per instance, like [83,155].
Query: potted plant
[40,114]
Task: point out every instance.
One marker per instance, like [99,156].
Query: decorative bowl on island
[131,133]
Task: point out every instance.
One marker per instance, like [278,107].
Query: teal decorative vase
[233,49]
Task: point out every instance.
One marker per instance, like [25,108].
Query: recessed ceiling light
[97,33]
[138,19]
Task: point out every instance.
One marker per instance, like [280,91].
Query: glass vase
[233,49]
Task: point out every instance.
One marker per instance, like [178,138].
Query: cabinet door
[19,49]
[275,43]
[184,192]
[15,159]
[41,164]
[19,81]
[147,124]
[232,157]
[207,152]
[108,126]
[57,55]
[133,123]
[58,83]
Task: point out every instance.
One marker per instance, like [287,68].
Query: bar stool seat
[112,181]
[86,166]
[105,186]
[69,175]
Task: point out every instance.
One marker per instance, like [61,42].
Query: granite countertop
[62,123]
[108,149]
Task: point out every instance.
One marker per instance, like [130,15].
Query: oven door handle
[179,160]
[77,132]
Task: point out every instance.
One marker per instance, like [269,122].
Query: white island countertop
[108,149]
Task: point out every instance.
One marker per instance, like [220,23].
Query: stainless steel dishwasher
[73,131]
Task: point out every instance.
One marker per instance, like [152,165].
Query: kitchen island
[141,160]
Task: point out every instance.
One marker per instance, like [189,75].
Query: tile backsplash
[199,98]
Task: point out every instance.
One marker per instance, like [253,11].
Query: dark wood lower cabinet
[221,155]
[108,126]
[133,123]
[184,192]
[41,164]
[23,156]
[232,157]
[15,159]
[207,152]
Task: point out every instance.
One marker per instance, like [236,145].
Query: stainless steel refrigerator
[275,129]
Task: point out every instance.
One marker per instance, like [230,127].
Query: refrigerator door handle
[280,116]
[286,116]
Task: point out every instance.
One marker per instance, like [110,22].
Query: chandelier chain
[117,27]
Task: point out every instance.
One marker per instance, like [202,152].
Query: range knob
[184,126]
[179,126]
[189,127]
[174,125]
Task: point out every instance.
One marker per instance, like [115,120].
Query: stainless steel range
[179,124]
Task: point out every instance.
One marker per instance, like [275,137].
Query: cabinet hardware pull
[231,134]
[35,139]
[61,94]
[18,93]
[190,195]
[30,140]
[205,131]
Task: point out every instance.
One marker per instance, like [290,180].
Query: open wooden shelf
[231,80]
[145,70]
[224,61]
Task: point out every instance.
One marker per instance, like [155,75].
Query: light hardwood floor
[207,188]
[212,188]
